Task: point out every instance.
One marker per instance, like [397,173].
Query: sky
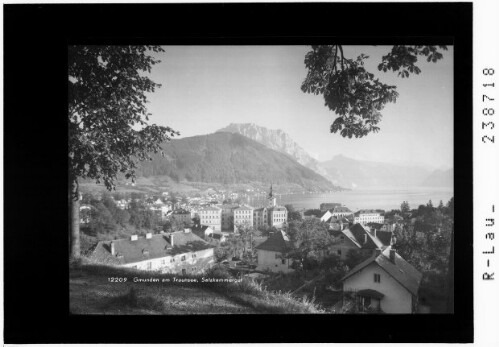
[205,88]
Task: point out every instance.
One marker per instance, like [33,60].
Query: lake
[379,198]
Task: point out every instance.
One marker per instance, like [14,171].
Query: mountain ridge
[228,158]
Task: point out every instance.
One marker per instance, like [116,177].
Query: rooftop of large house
[341,209]
[277,242]
[361,237]
[277,208]
[141,249]
[403,272]
[368,211]
[244,208]
[181,211]
[210,208]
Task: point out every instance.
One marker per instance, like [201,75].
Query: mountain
[277,140]
[230,158]
[440,178]
[353,173]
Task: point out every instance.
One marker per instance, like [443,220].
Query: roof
[401,270]
[358,231]
[261,209]
[277,242]
[210,208]
[385,237]
[158,246]
[339,209]
[181,211]
[369,211]
[244,208]
[277,208]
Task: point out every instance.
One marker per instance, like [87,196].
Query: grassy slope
[92,293]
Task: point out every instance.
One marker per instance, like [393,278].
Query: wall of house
[397,299]
[195,262]
[344,246]
[267,261]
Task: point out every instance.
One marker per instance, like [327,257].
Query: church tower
[271,198]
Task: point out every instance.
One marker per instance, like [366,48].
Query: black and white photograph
[261,179]
[248,173]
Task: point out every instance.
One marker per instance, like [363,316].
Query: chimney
[149,236]
[374,232]
[365,238]
[392,255]
[113,250]
[171,239]
[134,238]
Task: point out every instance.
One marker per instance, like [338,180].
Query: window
[163,261]
[194,255]
[377,278]
[183,258]
[172,260]
[338,251]
[194,269]
[283,261]
[149,265]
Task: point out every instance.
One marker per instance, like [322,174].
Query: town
[354,258]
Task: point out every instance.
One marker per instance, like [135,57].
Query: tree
[404,207]
[292,213]
[311,240]
[353,93]
[108,128]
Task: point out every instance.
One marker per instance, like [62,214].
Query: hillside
[277,140]
[91,292]
[440,178]
[354,173]
[230,158]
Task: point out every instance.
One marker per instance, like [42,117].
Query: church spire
[271,198]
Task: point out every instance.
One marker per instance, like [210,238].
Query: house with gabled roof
[341,211]
[180,252]
[357,238]
[385,282]
[272,253]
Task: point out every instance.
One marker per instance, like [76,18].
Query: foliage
[404,207]
[292,213]
[352,92]
[108,129]
[313,212]
[311,240]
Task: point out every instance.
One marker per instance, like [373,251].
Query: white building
[385,282]
[341,211]
[243,217]
[180,252]
[211,216]
[369,216]
[272,253]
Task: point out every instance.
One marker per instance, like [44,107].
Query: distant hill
[229,158]
[353,173]
[440,178]
[277,140]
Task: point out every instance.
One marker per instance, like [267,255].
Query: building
[228,216]
[326,216]
[355,238]
[341,211]
[271,253]
[328,206]
[260,217]
[243,217]
[179,252]
[276,215]
[369,216]
[182,215]
[211,216]
[383,283]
